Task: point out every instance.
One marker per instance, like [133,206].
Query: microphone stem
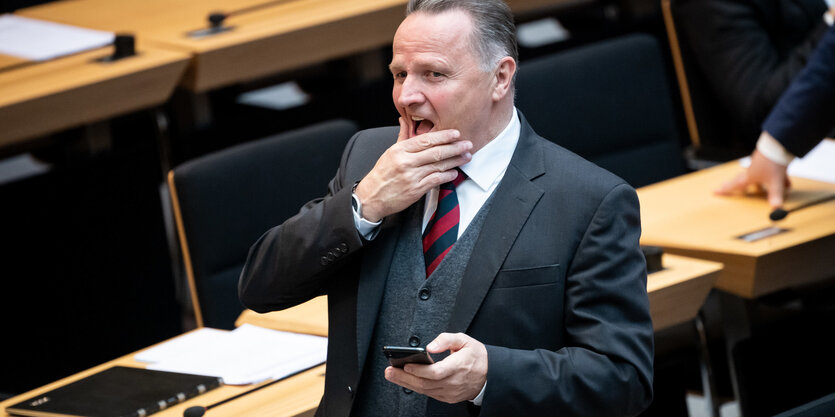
[257,7]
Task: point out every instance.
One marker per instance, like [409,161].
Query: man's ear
[504,73]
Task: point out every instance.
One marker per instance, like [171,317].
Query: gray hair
[494,33]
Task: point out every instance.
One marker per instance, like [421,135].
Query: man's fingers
[776,191]
[736,185]
[447,341]
[429,140]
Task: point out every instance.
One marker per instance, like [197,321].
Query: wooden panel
[294,396]
[677,292]
[71,91]
[685,217]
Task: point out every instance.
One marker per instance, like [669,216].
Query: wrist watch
[355,201]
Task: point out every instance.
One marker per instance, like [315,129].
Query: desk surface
[683,216]
[297,395]
[66,92]
[284,36]
[7,61]
[676,294]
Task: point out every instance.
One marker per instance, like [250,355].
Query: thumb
[447,341]
[404,130]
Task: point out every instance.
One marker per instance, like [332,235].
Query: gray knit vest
[415,310]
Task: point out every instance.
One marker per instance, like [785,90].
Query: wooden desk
[7,61]
[677,292]
[71,91]
[310,318]
[296,396]
[675,295]
[683,216]
[285,36]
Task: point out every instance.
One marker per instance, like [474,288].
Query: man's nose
[410,93]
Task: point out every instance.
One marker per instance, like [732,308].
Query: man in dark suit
[804,115]
[515,262]
[750,50]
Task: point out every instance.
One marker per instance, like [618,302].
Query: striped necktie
[442,230]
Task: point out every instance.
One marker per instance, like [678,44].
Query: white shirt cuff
[366,229]
[480,397]
[828,19]
[773,150]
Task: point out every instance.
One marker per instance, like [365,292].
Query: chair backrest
[611,103]
[712,133]
[224,201]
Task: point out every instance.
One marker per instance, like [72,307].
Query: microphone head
[216,19]
[778,214]
[196,411]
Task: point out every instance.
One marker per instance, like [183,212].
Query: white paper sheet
[818,164]
[40,40]
[189,342]
[246,355]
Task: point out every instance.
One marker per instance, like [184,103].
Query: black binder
[119,391]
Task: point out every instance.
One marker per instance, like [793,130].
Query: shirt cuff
[368,230]
[773,150]
[828,18]
[480,397]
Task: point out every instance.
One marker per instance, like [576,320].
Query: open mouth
[422,125]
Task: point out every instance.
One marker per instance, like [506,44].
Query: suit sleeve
[804,114]
[740,47]
[293,262]
[606,366]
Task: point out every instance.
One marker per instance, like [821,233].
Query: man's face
[438,83]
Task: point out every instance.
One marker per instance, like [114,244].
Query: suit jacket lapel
[514,199]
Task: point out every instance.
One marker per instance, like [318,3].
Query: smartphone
[401,355]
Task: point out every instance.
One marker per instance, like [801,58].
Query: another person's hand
[459,377]
[763,173]
[410,168]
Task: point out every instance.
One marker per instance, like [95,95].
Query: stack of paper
[40,40]
[246,355]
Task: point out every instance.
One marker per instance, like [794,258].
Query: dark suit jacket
[805,114]
[750,50]
[556,288]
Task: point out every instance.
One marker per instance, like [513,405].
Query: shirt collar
[492,160]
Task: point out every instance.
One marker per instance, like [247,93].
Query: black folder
[119,391]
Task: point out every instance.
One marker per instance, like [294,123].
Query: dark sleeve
[293,262]
[805,114]
[750,51]
[606,368]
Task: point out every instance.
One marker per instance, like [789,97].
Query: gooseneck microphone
[781,213]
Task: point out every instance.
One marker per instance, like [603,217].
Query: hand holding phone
[399,356]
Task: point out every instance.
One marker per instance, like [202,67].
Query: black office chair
[224,201]
[713,135]
[611,103]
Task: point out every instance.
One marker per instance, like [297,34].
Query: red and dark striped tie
[442,230]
